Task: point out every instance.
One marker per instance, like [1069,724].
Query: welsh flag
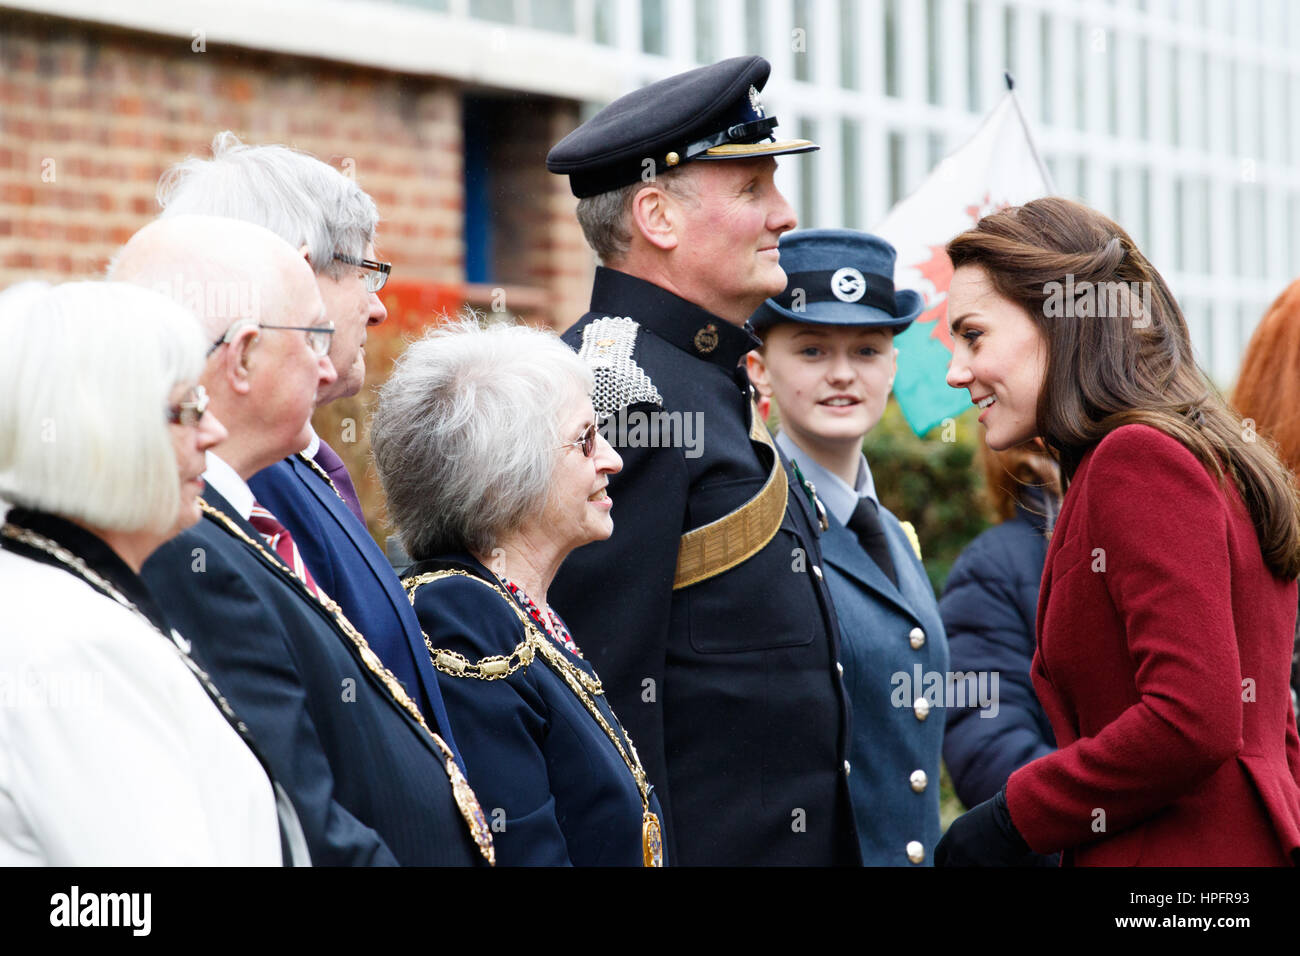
[996,168]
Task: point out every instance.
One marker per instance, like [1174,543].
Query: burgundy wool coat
[1164,647]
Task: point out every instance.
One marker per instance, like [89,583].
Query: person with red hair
[1268,397]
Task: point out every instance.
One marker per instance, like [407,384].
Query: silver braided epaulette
[607,346]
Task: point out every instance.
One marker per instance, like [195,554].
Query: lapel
[346,521]
[353,642]
[384,575]
[841,550]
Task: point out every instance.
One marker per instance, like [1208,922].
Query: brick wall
[91,116]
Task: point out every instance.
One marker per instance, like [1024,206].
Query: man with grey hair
[332,221]
[373,784]
[705,612]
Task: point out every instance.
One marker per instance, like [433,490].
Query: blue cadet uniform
[556,774]
[891,631]
[705,613]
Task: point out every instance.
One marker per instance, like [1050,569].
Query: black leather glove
[983,836]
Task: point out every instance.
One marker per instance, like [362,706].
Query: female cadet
[828,362]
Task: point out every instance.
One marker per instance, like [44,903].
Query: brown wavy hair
[1130,367]
[1268,386]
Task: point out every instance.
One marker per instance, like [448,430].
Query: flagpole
[1042,167]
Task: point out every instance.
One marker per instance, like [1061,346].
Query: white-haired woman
[114,748]
[488,449]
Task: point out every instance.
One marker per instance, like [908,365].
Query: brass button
[817,571]
[916,637]
[672,159]
[847,768]
[919,780]
[915,852]
[921,707]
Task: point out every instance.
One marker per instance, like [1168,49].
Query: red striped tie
[281,542]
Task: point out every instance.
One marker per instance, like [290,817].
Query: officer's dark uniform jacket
[731,686]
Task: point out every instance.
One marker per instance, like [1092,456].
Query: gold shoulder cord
[466,801]
[585,687]
[311,463]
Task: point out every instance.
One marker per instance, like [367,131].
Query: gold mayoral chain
[463,793]
[584,686]
[312,464]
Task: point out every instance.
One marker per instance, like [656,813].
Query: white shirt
[229,485]
[111,753]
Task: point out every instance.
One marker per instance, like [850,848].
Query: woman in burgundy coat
[1168,602]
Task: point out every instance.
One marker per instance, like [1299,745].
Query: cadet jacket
[368,781]
[348,565]
[895,661]
[730,686]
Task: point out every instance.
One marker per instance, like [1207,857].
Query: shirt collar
[229,485]
[836,494]
[694,330]
[313,446]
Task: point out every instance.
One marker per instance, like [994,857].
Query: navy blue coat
[348,565]
[989,608]
[367,780]
[893,804]
[550,780]
[730,687]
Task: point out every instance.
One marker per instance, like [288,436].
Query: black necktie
[865,523]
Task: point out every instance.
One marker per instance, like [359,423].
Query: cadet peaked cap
[838,277]
[711,112]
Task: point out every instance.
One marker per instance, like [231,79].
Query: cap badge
[706,339]
[755,103]
[848,285]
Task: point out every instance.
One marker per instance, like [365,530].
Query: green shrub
[933,483]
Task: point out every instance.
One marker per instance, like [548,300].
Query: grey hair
[85,378]
[299,198]
[605,217]
[467,430]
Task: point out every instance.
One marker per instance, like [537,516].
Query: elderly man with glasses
[331,221]
[373,783]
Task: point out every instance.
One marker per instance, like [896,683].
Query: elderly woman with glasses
[487,447]
[115,748]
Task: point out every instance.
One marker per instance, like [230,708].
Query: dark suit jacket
[730,686]
[893,807]
[548,775]
[345,561]
[1164,647]
[366,778]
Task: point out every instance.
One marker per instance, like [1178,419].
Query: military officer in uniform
[706,612]
[828,361]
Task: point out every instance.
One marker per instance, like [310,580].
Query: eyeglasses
[189,413]
[318,336]
[586,441]
[377,272]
